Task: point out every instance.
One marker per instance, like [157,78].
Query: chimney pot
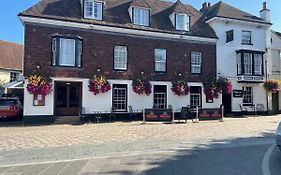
[209,4]
[204,5]
[264,6]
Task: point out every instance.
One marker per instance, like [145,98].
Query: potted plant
[272,86]
[99,84]
[212,89]
[180,88]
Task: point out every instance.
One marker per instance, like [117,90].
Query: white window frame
[196,62]
[93,9]
[246,37]
[160,100]
[120,57]
[141,16]
[258,64]
[14,76]
[247,95]
[184,23]
[195,99]
[160,60]
[248,66]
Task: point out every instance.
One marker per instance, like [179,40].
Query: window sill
[160,72]
[120,70]
[249,44]
[67,67]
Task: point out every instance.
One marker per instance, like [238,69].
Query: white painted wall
[102,102]
[31,110]
[226,54]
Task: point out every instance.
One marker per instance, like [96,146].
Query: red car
[10,108]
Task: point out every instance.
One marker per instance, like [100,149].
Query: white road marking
[265,161]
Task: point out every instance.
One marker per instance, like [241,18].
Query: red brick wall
[98,52]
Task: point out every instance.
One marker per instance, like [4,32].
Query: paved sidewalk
[64,142]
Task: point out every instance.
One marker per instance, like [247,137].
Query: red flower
[180,88]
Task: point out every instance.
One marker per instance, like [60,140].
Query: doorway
[68,98]
[275,100]
[226,101]
[160,97]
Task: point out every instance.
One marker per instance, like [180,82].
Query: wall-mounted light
[38,67]
[98,69]
[142,72]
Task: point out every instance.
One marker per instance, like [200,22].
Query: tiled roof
[224,10]
[277,33]
[116,14]
[139,3]
[11,55]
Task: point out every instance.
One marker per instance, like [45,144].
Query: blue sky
[11,28]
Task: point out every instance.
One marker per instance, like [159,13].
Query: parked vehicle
[278,136]
[10,108]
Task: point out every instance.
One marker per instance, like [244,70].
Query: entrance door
[226,101]
[67,98]
[119,97]
[275,105]
[160,97]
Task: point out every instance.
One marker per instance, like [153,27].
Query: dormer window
[182,22]
[141,16]
[93,9]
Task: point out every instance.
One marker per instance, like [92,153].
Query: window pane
[67,52]
[246,37]
[179,22]
[248,95]
[258,64]
[141,16]
[196,62]
[88,9]
[239,66]
[160,60]
[120,57]
[248,63]
[97,10]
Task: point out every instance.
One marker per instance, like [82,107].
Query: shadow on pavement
[241,156]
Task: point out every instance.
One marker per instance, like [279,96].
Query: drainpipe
[266,93]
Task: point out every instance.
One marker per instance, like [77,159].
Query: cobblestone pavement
[61,142]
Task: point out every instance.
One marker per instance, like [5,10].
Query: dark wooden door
[226,101]
[68,97]
[275,100]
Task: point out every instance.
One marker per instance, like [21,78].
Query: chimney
[265,13]
[204,7]
[209,4]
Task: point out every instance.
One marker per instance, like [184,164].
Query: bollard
[173,116]
[143,116]
[222,113]
[197,114]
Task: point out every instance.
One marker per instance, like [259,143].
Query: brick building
[70,41]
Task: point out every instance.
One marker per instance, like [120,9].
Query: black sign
[210,114]
[158,114]
[237,93]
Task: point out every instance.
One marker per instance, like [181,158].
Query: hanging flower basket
[99,85]
[180,88]
[225,85]
[212,89]
[272,86]
[37,84]
[142,86]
